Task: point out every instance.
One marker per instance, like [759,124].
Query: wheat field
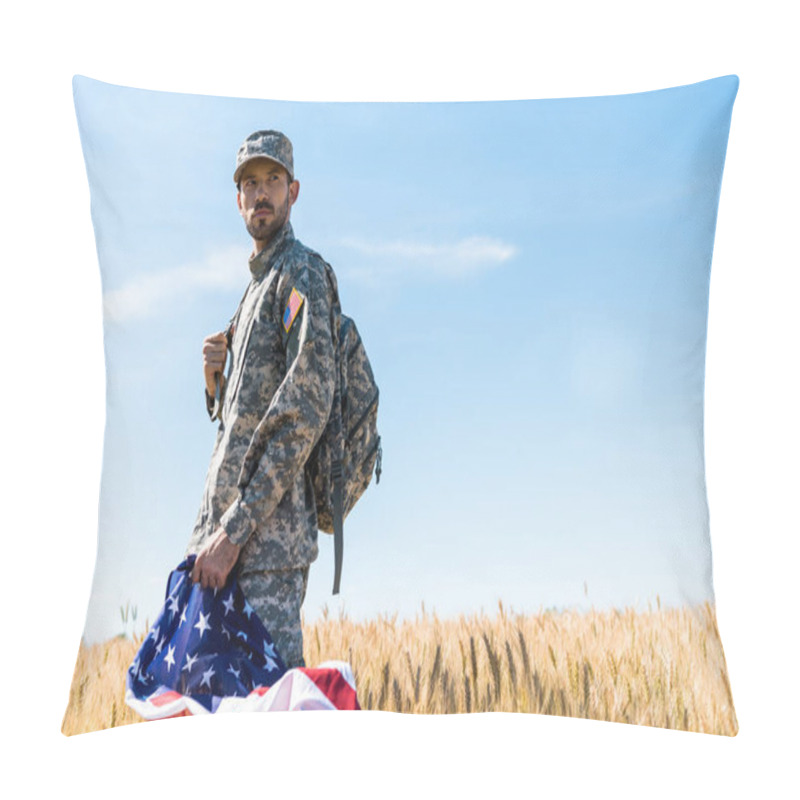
[663,668]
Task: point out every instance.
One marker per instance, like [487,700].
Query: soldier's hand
[215,561]
[215,354]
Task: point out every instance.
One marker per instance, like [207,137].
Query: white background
[53,389]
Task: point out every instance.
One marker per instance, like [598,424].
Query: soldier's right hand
[215,353]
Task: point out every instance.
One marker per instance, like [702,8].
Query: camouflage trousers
[277,596]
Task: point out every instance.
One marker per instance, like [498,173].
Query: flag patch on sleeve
[295,301]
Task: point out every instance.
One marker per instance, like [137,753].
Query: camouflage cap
[265,144]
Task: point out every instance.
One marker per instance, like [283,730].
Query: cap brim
[238,173]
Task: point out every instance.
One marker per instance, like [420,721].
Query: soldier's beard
[263,229]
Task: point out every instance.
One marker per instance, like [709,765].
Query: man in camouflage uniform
[258,511]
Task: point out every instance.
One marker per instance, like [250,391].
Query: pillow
[530,282]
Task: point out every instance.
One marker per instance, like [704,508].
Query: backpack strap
[337,468]
[220,381]
[338,522]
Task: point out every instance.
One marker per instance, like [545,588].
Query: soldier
[258,511]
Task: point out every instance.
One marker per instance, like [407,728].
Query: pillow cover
[530,280]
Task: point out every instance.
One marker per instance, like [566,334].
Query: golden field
[663,668]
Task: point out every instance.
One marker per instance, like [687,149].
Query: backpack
[349,449]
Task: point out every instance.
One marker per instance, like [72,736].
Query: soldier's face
[264,198]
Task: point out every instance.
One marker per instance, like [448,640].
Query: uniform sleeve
[296,417]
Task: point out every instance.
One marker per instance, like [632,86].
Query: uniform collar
[261,262]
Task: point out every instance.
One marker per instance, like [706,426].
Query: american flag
[208,651]
[295,301]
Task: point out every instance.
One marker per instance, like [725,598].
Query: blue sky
[531,282]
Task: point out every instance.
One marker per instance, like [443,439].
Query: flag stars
[174,607]
[207,675]
[136,670]
[269,656]
[235,635]
[228,604]
[202,624]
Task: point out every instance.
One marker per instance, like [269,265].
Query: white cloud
[222,269]
[453,260]
[145,295]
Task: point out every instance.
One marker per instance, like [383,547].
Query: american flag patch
[295,301]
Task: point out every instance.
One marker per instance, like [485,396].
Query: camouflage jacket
[278,396]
